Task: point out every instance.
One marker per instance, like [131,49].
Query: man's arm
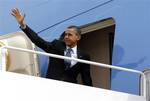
[46,46]
[38,41]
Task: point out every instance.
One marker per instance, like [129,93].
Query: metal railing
[3,62]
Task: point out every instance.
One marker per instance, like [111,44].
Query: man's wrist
[23,26]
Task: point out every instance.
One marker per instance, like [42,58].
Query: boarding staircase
[19,87]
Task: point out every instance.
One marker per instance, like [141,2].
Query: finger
[24,16]
[14,11]
[17,10]
[13,14]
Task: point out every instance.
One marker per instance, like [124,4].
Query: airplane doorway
[97,40]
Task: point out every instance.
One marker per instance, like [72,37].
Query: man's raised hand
[19,17]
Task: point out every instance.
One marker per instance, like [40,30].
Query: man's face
[71,37]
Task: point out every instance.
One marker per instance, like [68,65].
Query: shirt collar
[74,49]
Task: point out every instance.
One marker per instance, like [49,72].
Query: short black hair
[77,29]
[72,26]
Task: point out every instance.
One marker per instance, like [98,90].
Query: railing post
[145,84]
[2,59]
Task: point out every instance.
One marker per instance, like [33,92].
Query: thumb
[24,15]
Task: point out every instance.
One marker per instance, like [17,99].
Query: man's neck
[71,46]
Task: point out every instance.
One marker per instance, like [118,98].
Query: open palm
[19,17]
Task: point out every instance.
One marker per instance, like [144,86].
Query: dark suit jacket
[56,68]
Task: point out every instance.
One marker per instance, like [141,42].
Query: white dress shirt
[73,54]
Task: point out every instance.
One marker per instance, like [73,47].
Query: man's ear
[79,37]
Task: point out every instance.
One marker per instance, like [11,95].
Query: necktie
[68,54]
